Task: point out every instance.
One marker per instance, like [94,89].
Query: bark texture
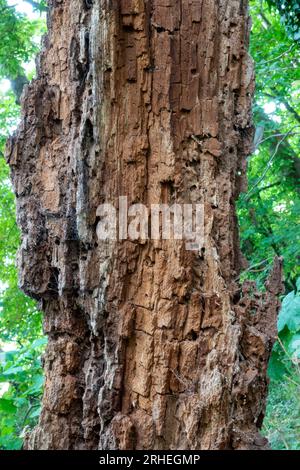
[150,346]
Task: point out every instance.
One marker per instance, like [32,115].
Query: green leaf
[7,405]
[38,343]
[12,371]
[276,369]
[35,413]
[294,346]
[290,313]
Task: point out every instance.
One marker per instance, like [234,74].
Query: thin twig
[272,136]
[268,164]
[37,5]
[252,267]
[285,102]
[277,57]
[264,188]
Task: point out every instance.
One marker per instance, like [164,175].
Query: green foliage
[18,40]
[290,313]
[282,423]
[286,353]
[20,404]
[269,212]
[39,5]
[289,10]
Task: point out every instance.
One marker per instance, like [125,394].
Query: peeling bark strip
[150,346]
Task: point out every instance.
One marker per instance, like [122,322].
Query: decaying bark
[150,346]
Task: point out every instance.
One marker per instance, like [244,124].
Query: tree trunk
[150,346]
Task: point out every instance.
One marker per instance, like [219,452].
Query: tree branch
[277,57]
[17,85]
[284,101]
[268,164]
[259,190]
[37,5]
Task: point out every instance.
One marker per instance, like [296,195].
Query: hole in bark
[71,228]
[53,282]
[88,4]
[74,266]
[192,336]
[167,191]
[88,133]
[150,68]
[128,28]
[148,262]
[191,163]
[236,297]
[160,29]
[260,420]
[57,126]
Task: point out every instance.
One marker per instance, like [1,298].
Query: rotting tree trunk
[150,346]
